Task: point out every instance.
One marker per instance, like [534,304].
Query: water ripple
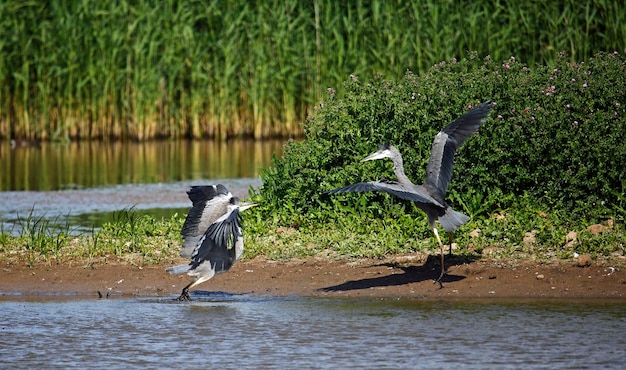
[247,331]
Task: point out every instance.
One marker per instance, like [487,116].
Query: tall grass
[153,69]
[130,236]
[41,236]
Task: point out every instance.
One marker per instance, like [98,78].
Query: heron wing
[415,193]
[209,203]
[217,244]
[445,144]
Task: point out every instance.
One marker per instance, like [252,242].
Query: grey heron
[430,196]
[212,234]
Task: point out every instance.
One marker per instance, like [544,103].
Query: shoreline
[402,277]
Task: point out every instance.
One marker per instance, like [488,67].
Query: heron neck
[398,169]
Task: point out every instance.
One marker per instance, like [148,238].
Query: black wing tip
[476,115]
[485,107]
[217,188]
[361,187]
[344,189]
[332,191]
[199,193]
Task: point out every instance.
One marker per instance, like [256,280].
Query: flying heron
[430,196]
[212,234]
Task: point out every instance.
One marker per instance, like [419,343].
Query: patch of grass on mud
[523,232]
[131,237]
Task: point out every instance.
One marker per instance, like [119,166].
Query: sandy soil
[399,276]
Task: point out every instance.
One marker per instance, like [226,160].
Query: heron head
[235,202]
[384,151]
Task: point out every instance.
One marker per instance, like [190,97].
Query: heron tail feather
[180,269]
[452,219]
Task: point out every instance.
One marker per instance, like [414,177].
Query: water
[81,185]
[84,209]
[86,183]
[85,165]
[219,330]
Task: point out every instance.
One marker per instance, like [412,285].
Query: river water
[78,186]
[85,183]
[219,330]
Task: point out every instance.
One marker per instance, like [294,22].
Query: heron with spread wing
[212,234]
[430,196]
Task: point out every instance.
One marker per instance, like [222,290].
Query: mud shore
[394,277]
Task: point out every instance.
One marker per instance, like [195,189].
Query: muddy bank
[400,276]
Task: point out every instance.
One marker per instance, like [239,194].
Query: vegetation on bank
[555,136]
[542,179]
[131,236]
[160,69]
[520,232]
[548,161]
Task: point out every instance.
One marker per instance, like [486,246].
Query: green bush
[556,134]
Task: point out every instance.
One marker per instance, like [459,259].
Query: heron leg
[450,238]
[184,296]
[442,258]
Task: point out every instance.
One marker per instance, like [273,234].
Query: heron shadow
[411,274]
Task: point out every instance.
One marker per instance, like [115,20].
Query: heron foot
[438,280]
[184,296]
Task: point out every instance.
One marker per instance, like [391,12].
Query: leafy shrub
[556,134]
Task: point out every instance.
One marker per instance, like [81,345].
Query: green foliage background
[152,69]
[551,156]
[556,134]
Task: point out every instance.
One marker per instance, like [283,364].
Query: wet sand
[397,276]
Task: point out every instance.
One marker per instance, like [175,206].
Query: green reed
[40,237]
[153,69]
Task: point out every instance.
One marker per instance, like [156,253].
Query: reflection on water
[82,185]
[54,166]
[240,331]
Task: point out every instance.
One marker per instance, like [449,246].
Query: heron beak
[244,206]
[376,155]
